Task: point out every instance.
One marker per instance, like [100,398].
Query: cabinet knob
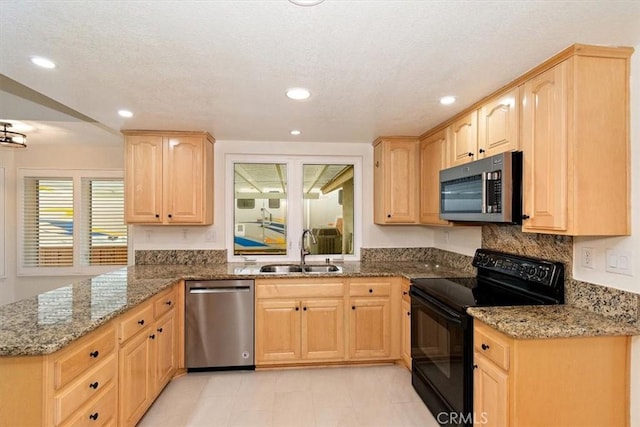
[485,346]
[304,308]
[94,385]
[353,307]
[470,154]
[408,313]
[159,330]
[141,322]
[475,366]
[94,354]
[525,216]
[170,216]
[370,291]
[157,215]
[405,293]
[388,215]
[297,308]
[152,336]
[377,163]
[481,150]
[94,416]
[168,303]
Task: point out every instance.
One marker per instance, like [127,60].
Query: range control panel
[540,271]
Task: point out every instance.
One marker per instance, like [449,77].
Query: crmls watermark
[459,418]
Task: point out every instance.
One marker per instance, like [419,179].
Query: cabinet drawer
[492,347]
[296,289]
[165,302]
[79,357]
[136,321]
[375,289]
[85,388]
[98,412]
[405,291]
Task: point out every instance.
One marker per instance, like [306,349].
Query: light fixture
[295,132]
[43,62]
[11,139]
[298,93]
[125,113]
[306,2]
[447,100]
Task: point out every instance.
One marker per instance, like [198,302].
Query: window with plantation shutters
[72,222]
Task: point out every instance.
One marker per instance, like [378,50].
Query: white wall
[88,155]
[213,237]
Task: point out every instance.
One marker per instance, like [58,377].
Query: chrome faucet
[303,251]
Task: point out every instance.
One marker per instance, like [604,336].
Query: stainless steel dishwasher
[219,324]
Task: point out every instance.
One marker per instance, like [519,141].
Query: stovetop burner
[502,279]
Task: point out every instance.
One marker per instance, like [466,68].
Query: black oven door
[441,341]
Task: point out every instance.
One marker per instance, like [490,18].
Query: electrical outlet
[587,257]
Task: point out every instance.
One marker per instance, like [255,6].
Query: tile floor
[367,396]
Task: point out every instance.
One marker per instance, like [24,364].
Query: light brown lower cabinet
[580,381]
[299,321]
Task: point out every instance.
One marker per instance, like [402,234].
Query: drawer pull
[94,416]
[141,322]
[94,385]
[159,330]
[152,336]
[94,354]
[168,303]
[485,346]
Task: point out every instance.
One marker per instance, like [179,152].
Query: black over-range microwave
[485,190]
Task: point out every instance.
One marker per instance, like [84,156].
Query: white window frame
[295,205]
[76,175]
[3,273]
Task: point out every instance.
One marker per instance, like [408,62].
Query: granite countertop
[549,321]
[47,322]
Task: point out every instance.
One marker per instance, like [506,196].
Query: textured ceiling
[373,67]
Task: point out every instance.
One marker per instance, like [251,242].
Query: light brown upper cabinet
[575,142]
[463,142]
[433,150]
[395,180]
[498,125]
[168,177]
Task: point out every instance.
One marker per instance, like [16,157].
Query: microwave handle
[484,192]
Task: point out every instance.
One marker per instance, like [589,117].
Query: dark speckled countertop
[48,322]
[549,321]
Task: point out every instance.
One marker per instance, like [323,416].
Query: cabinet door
[323,329]
[184,179]
[464,139]
[143,179]
[165,350]
[432,160]
[369,328]
[498,125]
[396,182]
[544,148]
[405,352]
[490,393]
[277,331]
[135,393]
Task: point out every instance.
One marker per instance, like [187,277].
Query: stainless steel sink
[281,268]
[296,268]
[324,268]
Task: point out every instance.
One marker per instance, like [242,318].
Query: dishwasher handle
[219,290]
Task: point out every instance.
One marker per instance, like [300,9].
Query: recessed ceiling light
[306,2]
[298,93]
[125,113]
[295,132]
[43,62]
[447,100]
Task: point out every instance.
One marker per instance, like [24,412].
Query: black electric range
[442,331]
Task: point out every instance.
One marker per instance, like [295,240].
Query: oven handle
[436,306]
